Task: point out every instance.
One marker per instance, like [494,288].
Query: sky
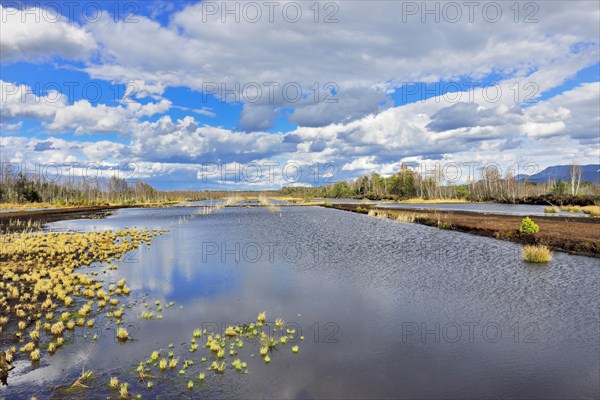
[257,95]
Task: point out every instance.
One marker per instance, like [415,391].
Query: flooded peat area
[385,310]
[489,208]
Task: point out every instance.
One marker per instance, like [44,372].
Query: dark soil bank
[576,235]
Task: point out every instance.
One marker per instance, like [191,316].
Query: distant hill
[589,173]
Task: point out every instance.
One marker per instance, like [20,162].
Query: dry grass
[551,210]
[406,217]
[536,254]
[21,225]
[266,203]
[594,211]
[25,206]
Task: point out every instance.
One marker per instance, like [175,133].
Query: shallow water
[388,310]
[492,208]
[346,201]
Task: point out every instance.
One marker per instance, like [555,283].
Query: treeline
[21,188]
[408,184]
[405,184]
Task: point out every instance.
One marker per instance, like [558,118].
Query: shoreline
[573,235]
[65,213]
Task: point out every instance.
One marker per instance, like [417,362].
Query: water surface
[489,208]
[388,310]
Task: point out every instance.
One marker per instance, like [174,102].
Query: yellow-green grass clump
[122,334]
[113,383]
[537,254]
[551,210]
[594,211]
[41,287]
[263,337]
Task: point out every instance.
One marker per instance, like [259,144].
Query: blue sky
[362,87]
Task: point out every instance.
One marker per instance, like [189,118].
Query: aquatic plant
[551,210]
[218,367]
[231,331]
[262,317]
[147,314]
[163,364]
[35,355]
[113,383]
[123,391]
[38,273]
[51,347]
[279,323]
[122,334]
[536,254]
[594,211]
[85,376]
[238,364]
[295,349]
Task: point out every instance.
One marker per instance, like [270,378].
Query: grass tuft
[536,254]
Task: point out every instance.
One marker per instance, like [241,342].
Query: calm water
[346,201]
[388,310]
[493,208]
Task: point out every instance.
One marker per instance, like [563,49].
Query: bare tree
[574,177]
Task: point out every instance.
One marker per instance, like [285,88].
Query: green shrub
[327,204]
[528,226]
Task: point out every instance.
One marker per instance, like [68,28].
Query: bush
[551,210]
[536,254]
[528,226]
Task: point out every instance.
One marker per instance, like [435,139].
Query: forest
[404,185]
